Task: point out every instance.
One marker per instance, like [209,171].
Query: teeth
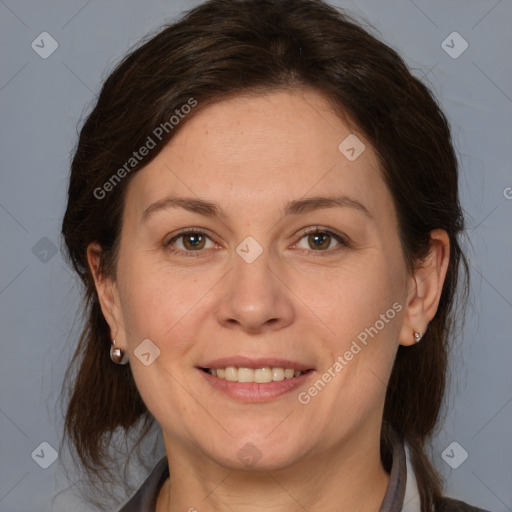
[277,374]
[245,375]
[231,373]
[260,375]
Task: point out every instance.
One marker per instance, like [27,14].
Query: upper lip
[255,363]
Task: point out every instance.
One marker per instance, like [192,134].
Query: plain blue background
[41,104]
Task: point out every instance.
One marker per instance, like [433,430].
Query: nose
[255,298]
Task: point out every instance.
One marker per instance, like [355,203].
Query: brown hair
[219,49]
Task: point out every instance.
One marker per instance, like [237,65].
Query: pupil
[319,241]
[194,241]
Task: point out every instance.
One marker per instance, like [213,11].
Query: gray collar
[394,498]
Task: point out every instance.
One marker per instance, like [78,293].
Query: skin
[251,156]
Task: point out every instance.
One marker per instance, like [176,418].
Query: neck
[345,478]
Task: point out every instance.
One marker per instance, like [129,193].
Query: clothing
[401,496]
[144,500]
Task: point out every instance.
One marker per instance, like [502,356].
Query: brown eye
[190,241]
[193,241]
[322,240]
[319,241]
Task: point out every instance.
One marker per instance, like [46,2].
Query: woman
[263,208]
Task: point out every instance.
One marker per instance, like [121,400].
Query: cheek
[356,297]
[157,299]
[167,308]
[361,309]
[362,306]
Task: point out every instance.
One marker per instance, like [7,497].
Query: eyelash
[342,240]
[180,234]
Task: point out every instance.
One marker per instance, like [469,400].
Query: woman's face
[255,240]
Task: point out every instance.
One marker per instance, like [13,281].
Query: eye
[321,240]
[190,241]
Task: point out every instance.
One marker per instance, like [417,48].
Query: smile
[258,375]
[255,379]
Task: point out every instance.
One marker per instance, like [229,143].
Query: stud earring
[117,355]
[417,337]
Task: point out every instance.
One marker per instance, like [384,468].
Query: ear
[106,288]
[426,285]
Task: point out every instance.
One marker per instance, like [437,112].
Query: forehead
[268,148]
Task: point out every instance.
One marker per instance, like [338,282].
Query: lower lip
[254,392]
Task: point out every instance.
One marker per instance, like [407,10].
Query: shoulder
[452,505]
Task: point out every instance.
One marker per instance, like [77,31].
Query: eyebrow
[296,207]
[194,205]
[314,203]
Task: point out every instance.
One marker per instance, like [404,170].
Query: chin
[244,453]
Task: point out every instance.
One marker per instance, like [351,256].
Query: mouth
[262,375]
[255,380]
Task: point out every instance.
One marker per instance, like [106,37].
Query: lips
[255,380]
[247,362]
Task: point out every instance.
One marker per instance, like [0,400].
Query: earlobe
[105,288]
[426,286]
